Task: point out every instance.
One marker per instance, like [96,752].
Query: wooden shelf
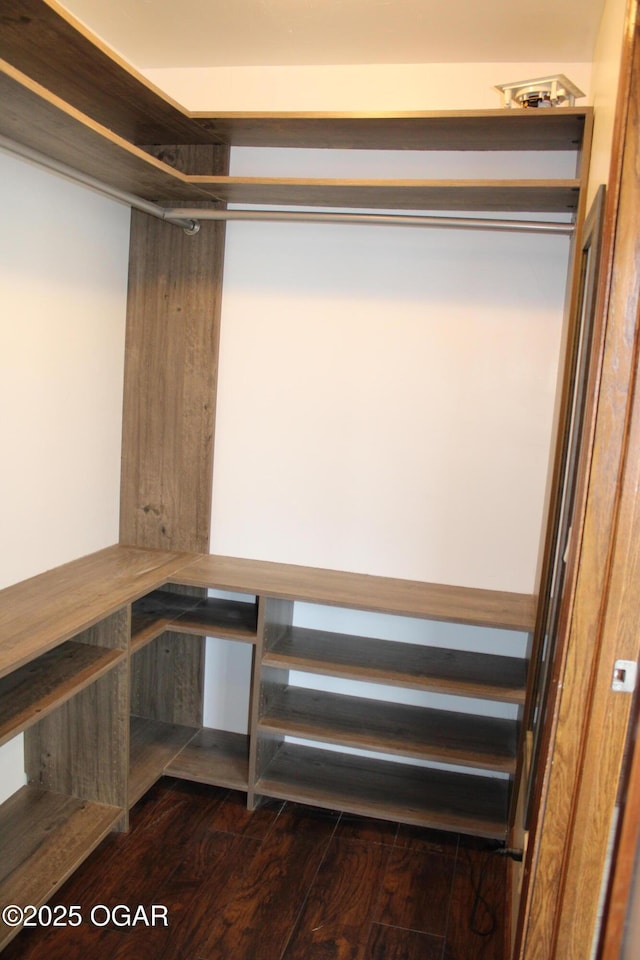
[43,122]
[30,693]
[89,76]
[69,136]
[162,610]
[558,129]
[216,757]
[153,746]
[509,196]
[95,80]
[389,790]
[463,673]
[41,613]
[423,734]
[412,598]
[45,836]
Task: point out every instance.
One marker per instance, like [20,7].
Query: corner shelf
[458,672]
[395,791]
[153,745]
[421,733]
[217,757]
[33,691]
[46,835]
[162,611]
[410,598]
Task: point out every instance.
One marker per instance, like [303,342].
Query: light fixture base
[553,91]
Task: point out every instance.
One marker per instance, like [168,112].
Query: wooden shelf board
[85,72]
[44,611]
[412,598]
[208,616]
[509,196]
[391,791]
[153,745]
[146,627]
[30,693]
[217,757]
[558,129]
[37,119]
[45,837]
[61,54]
[441,670]
[424,734]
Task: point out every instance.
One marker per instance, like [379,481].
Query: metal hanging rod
[188,217]
[382,219]
[146,206]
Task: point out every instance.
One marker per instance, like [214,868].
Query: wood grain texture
[88,75]
[217,757]
[221,862]
[250,926]
[201,616]
[400,664]
[531,196]
[153,746]
[45,837]
[394,728]
[620,925]
[167,679]
[587,727]
[434,601]
[274,619]
[173,325]
[33,691]
[417,891]
[394,791]
[336,917]
[44,611]
[618,633]
[38,119]
[559,129]
[81,748]
[394,943]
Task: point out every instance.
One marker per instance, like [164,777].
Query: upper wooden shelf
[44,611]
[48,45]
[434,601]
[558,129]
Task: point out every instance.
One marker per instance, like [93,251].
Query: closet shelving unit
[74,640]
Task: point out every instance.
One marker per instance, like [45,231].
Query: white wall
[385,396]
[63,276]
[416,86]
[606,70]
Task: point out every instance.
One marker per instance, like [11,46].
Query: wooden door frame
[600,617]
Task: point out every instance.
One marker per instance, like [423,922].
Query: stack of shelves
[319,775]
[64,640]
[70,642]
[186,750]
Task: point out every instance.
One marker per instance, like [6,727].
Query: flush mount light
[555,91]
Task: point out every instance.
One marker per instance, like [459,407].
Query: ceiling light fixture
[555,91]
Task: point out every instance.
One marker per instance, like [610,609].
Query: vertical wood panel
[81,749]
[171,368]
[167,679]
[173,327]
[274,616]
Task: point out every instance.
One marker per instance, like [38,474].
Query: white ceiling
[168,33]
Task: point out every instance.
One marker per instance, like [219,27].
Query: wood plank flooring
[284,882]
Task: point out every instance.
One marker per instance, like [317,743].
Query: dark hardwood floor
[285,882]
